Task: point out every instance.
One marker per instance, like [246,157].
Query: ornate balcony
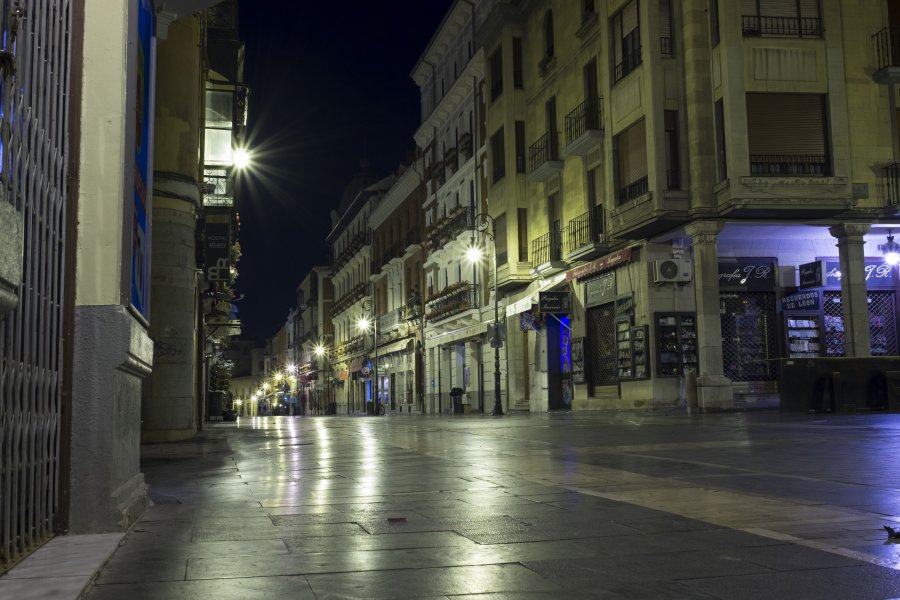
[543,157]
[546,254]
[584,127]
[448,228]
[452,300]
[889,185]
[585,237]
[886,49]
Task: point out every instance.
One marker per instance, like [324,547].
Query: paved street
[627,505]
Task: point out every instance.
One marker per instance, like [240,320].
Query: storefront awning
[522,302]
[459,334]
[397,346]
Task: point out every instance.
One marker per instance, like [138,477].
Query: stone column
[699,106]
[854,299]
[169,398]
[714,390]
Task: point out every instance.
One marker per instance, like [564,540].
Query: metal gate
[34,93]
[882,323]
[601,322]
[749,343]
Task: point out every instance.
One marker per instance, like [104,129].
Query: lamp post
[416,310]
[363,323]
[486,224]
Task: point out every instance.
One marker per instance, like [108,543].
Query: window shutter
[748,8]
[632,154]
[809,9]
[665,19]
[788,124]
[629,18]
[778,8]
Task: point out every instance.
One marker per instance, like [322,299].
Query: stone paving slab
[527,507]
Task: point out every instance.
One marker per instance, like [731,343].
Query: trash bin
[456,395]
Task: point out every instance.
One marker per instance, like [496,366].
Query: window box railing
[353,246]
[546,248]
[756,25]
[356,293]
[584,117]
[544,150]
[634,190]
[666,46]
[889,185]
[630,62]
[449,227]
[789,164]
[459,299]
[585,229]
[391,319]
[886,44]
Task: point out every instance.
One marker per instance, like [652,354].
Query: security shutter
[748,8]
[809,9]
[778,8]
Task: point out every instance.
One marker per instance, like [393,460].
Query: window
[549,48]
[626,40]
[631,162]
[721,162]
[496,74]
[592,185]
[787,134]
[518,78]
[500,243]
[587,10]
[666,46]
[520,146]
[497,156]
[781,18]
[714,22]
[522,218]
[673,165]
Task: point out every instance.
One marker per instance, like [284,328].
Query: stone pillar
[854,299]
[699,105]
[170,395]
[714,390]
[476,353]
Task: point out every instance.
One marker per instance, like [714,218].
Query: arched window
[548,35]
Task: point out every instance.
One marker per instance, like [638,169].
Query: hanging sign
[554,302]
[812,274]
[625,306]
[600,290]
[603,263]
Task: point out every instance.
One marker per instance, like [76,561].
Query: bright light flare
[319,350]
[241,158]
[474,254]
[363,323]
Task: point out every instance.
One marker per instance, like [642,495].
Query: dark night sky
[329,86]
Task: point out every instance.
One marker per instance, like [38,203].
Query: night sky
[329,85]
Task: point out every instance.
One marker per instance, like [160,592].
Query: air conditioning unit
[670,269]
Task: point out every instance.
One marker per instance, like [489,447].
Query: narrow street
[622,505]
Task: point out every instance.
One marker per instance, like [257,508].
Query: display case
[624,364]
[804,335]
[640,352]
[676,336]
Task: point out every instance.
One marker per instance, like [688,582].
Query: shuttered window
[787,134]
[631,156]
[666,47]
[500,243]
[626,40]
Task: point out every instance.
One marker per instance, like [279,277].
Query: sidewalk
[626,505]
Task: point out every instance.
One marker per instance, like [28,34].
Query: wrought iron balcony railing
[461,297]
[757,25]
[634,190]
[889,185]
[546,248]
[585,229]
[584,117]
[789,164]
[544,150]
[630,62]
[886,45]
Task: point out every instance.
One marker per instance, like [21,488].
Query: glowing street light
[363,323]
[241,158]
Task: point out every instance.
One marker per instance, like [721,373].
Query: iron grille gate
[602,343]
[34,93]
[748,336]
[882,324]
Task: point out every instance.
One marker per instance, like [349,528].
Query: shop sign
[625,306]
[812,274]
[554,302]
[744,275]
[603,263]
[600,290]
[801,301]
[878,273]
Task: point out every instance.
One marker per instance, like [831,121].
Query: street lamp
[485,223]
[363,323]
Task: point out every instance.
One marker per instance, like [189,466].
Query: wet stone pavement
[625,505]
